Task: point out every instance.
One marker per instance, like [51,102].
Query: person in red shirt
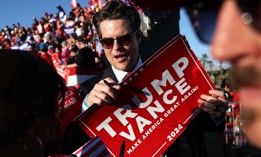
[43,53]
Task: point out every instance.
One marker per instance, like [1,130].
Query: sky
[22,11]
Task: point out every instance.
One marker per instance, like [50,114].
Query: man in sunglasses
[235,26]
[118,27]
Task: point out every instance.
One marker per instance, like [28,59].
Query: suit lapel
[109,73]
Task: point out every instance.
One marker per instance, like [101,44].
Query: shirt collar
[121,74]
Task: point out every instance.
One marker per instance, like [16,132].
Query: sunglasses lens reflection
[125,40]
[109,42]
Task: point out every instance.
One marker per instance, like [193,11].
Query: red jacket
[47,58]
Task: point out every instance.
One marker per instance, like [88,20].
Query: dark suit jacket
[190,144]
[88,85]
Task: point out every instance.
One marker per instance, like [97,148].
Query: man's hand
[103,92]
[215,104]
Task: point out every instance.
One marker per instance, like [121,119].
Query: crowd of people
[58,33]
[31,87]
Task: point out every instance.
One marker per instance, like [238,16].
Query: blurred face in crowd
[240,44]
[122,52]
[227,88]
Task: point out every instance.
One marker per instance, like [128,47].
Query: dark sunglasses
[203,15]
[124,40]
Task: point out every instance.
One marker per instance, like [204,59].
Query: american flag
[93,148]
